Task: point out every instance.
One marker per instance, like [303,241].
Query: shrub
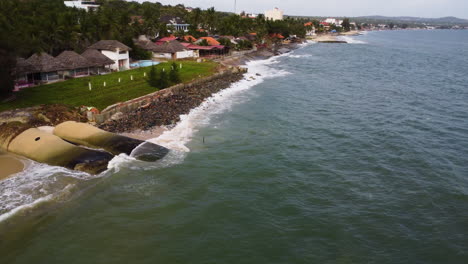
[174,75]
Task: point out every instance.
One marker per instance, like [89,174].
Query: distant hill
[442,20]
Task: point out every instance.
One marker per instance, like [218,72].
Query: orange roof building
[189,38]
[276,35]
[211,41]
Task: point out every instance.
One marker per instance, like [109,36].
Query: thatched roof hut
[146,45]
[73,60]
[172,46]
[96,58]
[43,62]
[24,67]
[112,45]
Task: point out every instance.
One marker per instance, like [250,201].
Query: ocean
[333,153]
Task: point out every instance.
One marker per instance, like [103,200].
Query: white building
[334,21]
[275,14]
[116,51]
[88,5]
[168,50]
[174,23]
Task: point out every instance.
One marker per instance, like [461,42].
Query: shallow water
[336,154]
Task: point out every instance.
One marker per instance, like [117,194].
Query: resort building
[333,21]
[275,14]
[76,64]
[116,51]
[100,63]
[169,50]
[174,23]
[211,41]
[46,68]
[87,5]
[207,51]
[23,74]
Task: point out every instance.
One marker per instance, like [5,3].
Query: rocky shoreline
[147,121]
[166,111]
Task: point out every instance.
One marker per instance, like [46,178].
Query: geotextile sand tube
[93,137]
[50,149]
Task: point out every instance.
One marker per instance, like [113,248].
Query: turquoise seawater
[337,153]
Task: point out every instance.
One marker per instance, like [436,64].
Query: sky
[350,8]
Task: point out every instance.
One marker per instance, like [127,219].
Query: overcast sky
[419,8]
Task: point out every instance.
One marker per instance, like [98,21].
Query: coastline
[10,165]
[152,120]
[334,37]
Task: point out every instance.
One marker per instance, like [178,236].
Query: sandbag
[93,137]
[50,149]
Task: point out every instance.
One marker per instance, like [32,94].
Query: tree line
[32,26]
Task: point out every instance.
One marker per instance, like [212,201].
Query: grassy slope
[75,92]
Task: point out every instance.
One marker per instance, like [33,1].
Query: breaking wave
[41,183]
[351,40]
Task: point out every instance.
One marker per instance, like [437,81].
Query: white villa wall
[159,55]
[186,54]
[275,14]
[81,5]
[116,56]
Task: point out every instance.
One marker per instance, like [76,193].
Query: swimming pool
[144,63]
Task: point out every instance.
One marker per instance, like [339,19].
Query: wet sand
[327,38]
[9,165]
[146,134]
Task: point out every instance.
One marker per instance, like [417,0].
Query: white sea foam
[300,56]
[351,40]
[181,134]
[40,183]
[37,183]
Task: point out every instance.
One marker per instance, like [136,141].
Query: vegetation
[346,24]
[75,92]
[153,77]
[31,26]
[174,76]
[163,80]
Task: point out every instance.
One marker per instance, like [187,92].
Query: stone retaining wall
[134,104]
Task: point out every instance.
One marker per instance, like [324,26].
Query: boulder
[46,148]
[93,137]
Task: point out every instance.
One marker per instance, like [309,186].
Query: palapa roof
[73,60]
[146,45]
[24,67]
[112,45]
[172,46]
[97,58]
[43,62]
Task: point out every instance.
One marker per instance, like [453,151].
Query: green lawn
[75,92]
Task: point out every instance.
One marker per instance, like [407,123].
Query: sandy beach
[9,165]
[333,38]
